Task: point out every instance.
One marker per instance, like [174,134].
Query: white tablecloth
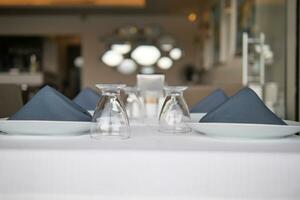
[148,166]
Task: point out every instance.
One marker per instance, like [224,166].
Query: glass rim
[175,88]
[110,86]
[130,89]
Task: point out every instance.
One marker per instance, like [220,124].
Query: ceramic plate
[32,127]
[91,112]
[195,117]
[255,131]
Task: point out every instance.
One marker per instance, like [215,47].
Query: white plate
[195,117]
[32,127]
[254,131]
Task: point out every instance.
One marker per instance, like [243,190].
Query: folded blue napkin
[243,107]
[87,99]
[49,104]
[210,102]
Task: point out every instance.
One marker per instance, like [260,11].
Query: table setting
[105,113]
[144,142]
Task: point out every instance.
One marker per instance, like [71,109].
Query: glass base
[111,132]
[174,129]
[98,136]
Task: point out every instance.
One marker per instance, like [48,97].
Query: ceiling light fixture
[175,53]
[192,17]
[145,55]
[112,58]
[165,63]
[121,48]
[132,47]
[127,66]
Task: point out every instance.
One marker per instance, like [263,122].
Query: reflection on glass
[134,106]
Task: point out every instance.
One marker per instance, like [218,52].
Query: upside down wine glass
[110,118]
[174,112]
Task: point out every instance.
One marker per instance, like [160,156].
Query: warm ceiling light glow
[146,55]
[106,3]
[121,48]
[192,17]
[175,53]
[165,63]
[127,66]
[112,58]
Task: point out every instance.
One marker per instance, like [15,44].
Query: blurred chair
[10,99]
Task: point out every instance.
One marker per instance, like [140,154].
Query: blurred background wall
[70,39]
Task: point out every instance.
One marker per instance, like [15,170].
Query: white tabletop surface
[150,165]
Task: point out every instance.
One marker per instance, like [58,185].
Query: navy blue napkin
[49,104]
[210,102]
[243,107]
[87,99]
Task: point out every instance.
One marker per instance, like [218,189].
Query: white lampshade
[175,53]
[146,55]
[121,48]
[147,70]
[127,66]
[166,43]
[112,58]
[166,47]
[165,63]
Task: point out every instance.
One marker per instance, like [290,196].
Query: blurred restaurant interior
[204,44]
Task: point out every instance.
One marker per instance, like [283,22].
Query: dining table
[149,165]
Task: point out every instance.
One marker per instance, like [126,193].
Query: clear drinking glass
[151,90]
[133,105]
[110,118]
[174,112]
